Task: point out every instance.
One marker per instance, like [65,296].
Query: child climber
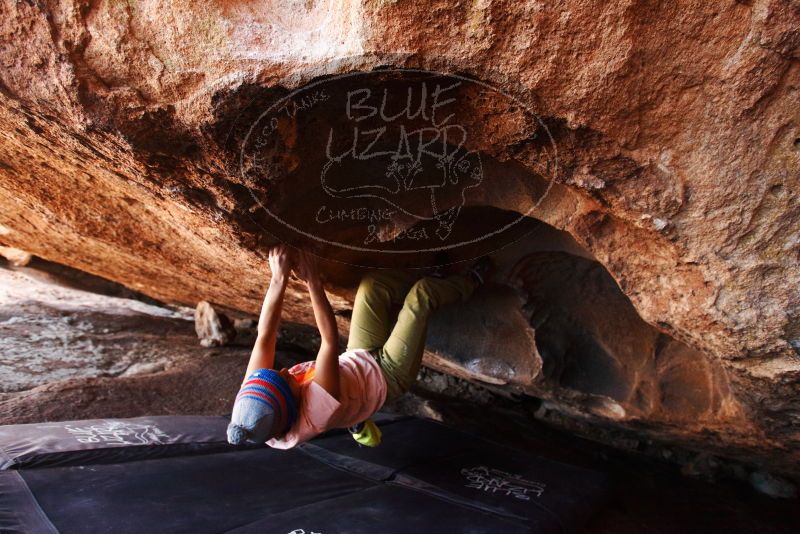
[291,406]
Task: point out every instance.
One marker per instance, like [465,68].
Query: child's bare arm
[263,355]
[327,365]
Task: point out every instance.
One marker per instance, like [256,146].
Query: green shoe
[366,433]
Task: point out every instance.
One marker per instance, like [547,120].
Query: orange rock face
[667,140]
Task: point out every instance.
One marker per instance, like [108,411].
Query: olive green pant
[399,349]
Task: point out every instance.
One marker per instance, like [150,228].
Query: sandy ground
[69,354]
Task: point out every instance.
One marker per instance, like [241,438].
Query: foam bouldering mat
[109,440]
[385,509]
[19,511]
[458,466]
[206,493]
[424,476]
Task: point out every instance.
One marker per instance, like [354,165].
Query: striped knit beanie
[264,409]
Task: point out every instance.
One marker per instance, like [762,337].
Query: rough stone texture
[50,332]
[679,154]
[487,338]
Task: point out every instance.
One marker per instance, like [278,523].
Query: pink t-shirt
[362,392]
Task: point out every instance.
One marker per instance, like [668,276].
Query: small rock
[213,328]
[437,383]
[15,256]
[701,466]
[773,486]
[144,368]
[246,331]
[624,443]
[429,411]
[245,324]
[606,407]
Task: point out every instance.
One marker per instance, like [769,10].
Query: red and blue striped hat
[264,408]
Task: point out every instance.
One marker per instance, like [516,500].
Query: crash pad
[424,477]
[93,441]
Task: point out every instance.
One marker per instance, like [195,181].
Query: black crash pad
[458,466]
[424,477]
[207,493]
[384,509]
[109,440]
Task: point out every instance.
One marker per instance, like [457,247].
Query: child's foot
[482,270]
[366,433]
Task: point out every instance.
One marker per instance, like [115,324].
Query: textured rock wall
[678,143]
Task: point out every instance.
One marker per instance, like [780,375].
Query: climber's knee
[422,294]
[368,282]
[387,283]
[374,281]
